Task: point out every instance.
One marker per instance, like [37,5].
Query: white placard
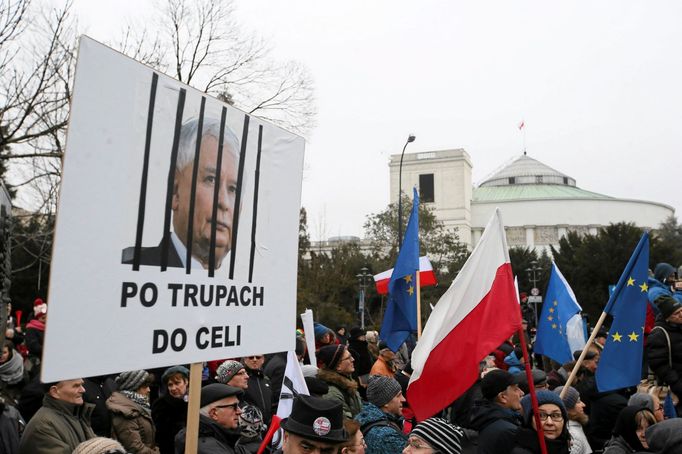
[112,305]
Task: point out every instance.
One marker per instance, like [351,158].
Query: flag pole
[533,395]
[419,308]
[193,405]
[579,362]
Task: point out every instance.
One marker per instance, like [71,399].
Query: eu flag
[620,364]
[400,319]
[560,328]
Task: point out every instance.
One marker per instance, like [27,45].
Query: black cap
[356,332]
[496,381]
[539,379]
[667,305]
[591,354]
[216,391]
[316,418]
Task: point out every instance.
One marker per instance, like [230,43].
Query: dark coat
[605,410]
[57,428]
[496,426]
[213,439]
[170,417]
[343,390]
[274,370]
[657,354]
[152,256]
[132,425]
[526,442]
[97,391]
[363,359]
[259,393]
[617,445]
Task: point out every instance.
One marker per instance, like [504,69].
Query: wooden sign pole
[193,406]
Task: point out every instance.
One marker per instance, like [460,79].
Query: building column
[530,236]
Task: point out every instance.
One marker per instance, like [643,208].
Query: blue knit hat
[320,330]
[544,397]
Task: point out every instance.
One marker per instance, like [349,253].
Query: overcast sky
[598,85]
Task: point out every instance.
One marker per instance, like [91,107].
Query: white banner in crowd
[309,330]
[177,226]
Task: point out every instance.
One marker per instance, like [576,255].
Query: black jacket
[152,256]
[657,354]
[526,442]
[496,426]
[170,417]
[259,393]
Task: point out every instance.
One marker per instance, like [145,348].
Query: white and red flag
[427,276]
[474,316]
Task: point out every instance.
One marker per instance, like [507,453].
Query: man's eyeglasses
[556,417]
[233,406]
[255,357]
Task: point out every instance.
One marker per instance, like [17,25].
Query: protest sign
[177,226]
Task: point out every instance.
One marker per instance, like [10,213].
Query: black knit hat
[544,397]
[316,418]
[356,332]
[494,382]
[667,305]
[330,355]
[442,436]
[382,389]
[182,370]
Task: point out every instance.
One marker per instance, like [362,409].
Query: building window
[512,180]
[565,180]
[426,188]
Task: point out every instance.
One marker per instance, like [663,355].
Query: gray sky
[597,84]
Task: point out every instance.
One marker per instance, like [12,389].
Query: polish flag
[427,276]
[474,316]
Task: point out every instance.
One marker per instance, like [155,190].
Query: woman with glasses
[355,443]
[554,422]
[434,436]
[628,434]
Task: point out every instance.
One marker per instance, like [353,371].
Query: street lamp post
[532,273]
[410,138]
[364,278]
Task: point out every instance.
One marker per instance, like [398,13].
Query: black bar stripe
[255,203]
[145,173]
[165,241]
[238,195]
[195,172]
[216,194]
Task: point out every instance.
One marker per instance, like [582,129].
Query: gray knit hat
[182,370]
[571,398]
[442,436]
[99,445]
[382,389]
[132,380]
[227,370]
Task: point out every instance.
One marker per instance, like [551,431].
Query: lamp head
[410,138]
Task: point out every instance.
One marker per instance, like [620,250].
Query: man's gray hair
[211,128]
[204,410]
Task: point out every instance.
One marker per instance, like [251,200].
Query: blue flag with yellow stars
[560,329]
[620,364]
[400,319]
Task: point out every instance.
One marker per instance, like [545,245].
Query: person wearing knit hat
[381,419]
[336,366]
[577,419]
[496,416]
[100,445]
[232,373]
[35,336]
[169,411]
[323,336]
[131,415]
[553,417]
[384,364]
[435,435]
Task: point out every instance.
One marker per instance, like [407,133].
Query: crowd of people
[357,399]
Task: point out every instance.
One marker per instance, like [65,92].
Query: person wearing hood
[12,377]
[358,347]
[336,369]
[381,420]
[169,411]
[131,415]
[554,420]
[662,283]
[496,417]
[665,437]
[664,344]
[629,432]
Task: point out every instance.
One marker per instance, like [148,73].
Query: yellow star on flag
[555,303]
[633,337]
[616,337]
[408,278]
[631,281]
[550,318]
[410,290]
[644,287]
[554,325]
[551,310]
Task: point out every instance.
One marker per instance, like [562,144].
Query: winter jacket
[617,445]
[665,437]
[342,389]
[382,367]
[514,363]
[57,428]
[605,410]
[363,360]
[170,417]
[132,425]
[657,354]
[496,426]
[526,442]
[259,393]
[274,370]
[213,439]
[97,391]
[386,437]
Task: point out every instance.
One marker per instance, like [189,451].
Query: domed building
[539,204]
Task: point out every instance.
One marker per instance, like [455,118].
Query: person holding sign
[195,233]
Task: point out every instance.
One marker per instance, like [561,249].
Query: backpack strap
[667,337]
[365,428]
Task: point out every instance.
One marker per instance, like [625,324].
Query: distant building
[539,205]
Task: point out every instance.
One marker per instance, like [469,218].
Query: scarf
[142,401]
[36,324]
[12,371]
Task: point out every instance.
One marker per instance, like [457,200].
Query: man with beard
[577,419]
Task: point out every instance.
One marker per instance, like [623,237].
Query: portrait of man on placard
[197,231]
